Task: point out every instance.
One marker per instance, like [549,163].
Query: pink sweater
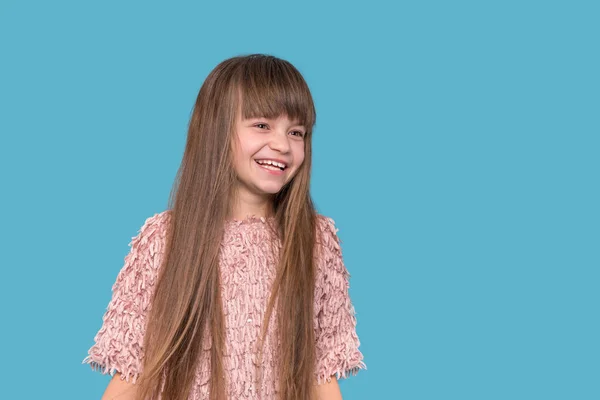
[247,270]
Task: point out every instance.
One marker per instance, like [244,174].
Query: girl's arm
[119,389]
[329,390]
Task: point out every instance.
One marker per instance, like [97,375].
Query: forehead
[273,104]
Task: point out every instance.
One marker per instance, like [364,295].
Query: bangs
[271,88]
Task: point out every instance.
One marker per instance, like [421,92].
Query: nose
[280,142]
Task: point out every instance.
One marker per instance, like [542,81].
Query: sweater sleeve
[337,343]
[118,343]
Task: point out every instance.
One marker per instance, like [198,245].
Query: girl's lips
[271,171]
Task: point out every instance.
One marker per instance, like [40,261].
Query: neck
[247,204]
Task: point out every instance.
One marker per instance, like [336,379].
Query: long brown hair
[187,301]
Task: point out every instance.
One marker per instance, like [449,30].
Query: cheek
[299,156]
[248,146]
[239,158]
[242,147]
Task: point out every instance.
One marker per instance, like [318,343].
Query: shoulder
[146,251]
[327,233]
[154,227]
[328,246]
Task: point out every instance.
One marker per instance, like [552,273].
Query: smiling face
[260,147]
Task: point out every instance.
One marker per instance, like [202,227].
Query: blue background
[456,148]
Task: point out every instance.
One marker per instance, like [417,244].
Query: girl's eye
[261,125]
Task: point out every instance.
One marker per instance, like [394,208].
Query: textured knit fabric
[247,270]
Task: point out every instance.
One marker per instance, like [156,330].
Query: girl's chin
[269,189]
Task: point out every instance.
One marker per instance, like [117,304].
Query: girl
[238,289]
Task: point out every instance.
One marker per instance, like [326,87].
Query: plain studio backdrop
[456,148]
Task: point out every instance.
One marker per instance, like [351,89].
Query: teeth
[271,162]
[272,167]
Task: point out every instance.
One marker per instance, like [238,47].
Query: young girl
[238,290]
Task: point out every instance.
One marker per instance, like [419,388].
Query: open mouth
[271,165]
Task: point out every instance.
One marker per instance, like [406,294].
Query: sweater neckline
[250,220]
